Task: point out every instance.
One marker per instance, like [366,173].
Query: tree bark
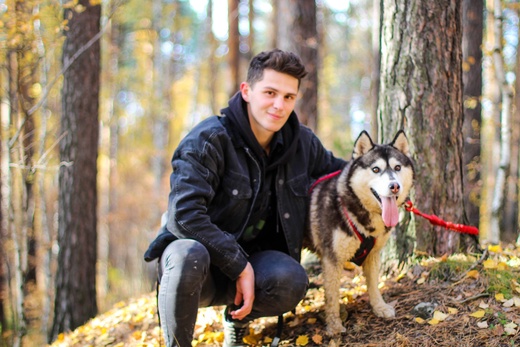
[75,300]
[510,223]
[421,92]
[506,93]
[298,33]
[472,24]
[233,45]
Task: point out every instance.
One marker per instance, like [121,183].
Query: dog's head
[382,175]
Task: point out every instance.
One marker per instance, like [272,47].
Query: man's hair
[277,60]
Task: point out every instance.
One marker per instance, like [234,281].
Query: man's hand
[245,293]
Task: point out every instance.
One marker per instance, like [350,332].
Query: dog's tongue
[390,211]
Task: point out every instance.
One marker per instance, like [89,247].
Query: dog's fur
[355,197]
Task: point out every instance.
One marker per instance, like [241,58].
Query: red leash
[461,228]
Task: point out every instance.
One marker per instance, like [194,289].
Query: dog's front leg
[331,283]
[371,270]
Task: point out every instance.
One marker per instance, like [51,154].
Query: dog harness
[367,243]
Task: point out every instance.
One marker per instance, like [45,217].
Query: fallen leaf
[433,321]
[420,320]
[490,264]
[478,314]
[508,303]
[510,328]
[317,339]
[252,338]
[439,316]
[502,266]
[500,297]
[483,305]
[495,248]
[452,310]
[516,299]
[302,340]
[473,274]
[483,325]
[311,320]
[421,280]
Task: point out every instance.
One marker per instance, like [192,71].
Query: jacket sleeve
[197,167]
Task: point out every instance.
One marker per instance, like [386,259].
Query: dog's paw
[384,310]
[335,328]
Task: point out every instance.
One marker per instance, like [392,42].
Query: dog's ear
[362,145]
[401,143]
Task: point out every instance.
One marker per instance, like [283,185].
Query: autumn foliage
[475,301]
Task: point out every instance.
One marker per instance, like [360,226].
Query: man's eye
[376,169]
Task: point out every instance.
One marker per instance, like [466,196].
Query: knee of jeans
[287,285]
[188,258]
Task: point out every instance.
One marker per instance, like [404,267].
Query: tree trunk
[506,93]
[298,32]
[421,92]
[510,226]
[377,10]
[472,24]
[233,45]
[75,300]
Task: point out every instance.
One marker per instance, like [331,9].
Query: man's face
[270,101]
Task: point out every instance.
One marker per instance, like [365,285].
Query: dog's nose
[394,187]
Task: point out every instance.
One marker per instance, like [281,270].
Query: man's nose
[279,103]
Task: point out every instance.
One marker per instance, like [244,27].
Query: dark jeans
[188,281]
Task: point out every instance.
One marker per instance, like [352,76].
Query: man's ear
[245,90]
[362,145]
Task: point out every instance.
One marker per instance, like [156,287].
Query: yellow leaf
[473,274]
[452,310]
[502,266]
[478,314]
[439,316]
[419,320]
[433,321]
[490,264]
[252,339]
[61,337]
[500,297]
[421,280]
[302,340]
[495,248]
[311,320]
[137,335]
[317,339]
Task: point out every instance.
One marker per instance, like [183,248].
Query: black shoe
[234,332]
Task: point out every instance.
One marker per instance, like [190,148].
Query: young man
[238,206]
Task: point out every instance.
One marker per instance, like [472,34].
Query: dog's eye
[375,169]
[397,168]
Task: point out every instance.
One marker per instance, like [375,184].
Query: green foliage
[501,281]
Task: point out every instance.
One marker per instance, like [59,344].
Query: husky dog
[352,213]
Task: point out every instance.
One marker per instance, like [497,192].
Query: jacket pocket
[231,204]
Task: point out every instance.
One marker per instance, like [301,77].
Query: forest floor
[471,301]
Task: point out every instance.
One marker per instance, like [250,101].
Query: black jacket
[218,169]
